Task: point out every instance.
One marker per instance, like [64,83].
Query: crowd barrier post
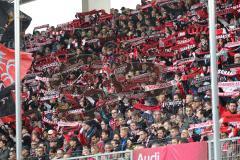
[210,150]
[131,154]
[214,74]
[229,149]
[17,79]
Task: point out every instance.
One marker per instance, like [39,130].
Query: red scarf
[146,108]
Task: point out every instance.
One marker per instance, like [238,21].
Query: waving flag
[7,78]
[7,64]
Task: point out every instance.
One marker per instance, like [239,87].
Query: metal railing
[121,155]
[230,149]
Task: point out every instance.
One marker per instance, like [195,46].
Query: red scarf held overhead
[159,86]
[229,94]
[146,108]
[192,75]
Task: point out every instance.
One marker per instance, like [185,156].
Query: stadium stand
[108,82]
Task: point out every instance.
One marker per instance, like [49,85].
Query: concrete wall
[89,5]
[118,4]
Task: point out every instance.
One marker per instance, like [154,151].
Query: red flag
[7,64]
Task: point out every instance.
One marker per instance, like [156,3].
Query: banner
[229,84]
[173,104]
[151,153]
[146,108]
[141,78]
[232,44]
[50,95]
[226,73]
[49,65]
[67,124]
[7,64]
[189,151]
[201,125]
[159,86]
[229,94]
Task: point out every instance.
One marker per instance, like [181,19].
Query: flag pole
[17,79]
[214,74]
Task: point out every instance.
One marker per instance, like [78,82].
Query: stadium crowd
[127,80]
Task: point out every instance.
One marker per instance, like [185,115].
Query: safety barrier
[230,149]
[121,155]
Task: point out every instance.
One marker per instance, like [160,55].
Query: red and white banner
[7,64]
[201,125]
[159,86]
[189,151]
[227,73]
[229,84]
[68,124]
[232,44]
[43,79]
[229,94]
[50,95]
